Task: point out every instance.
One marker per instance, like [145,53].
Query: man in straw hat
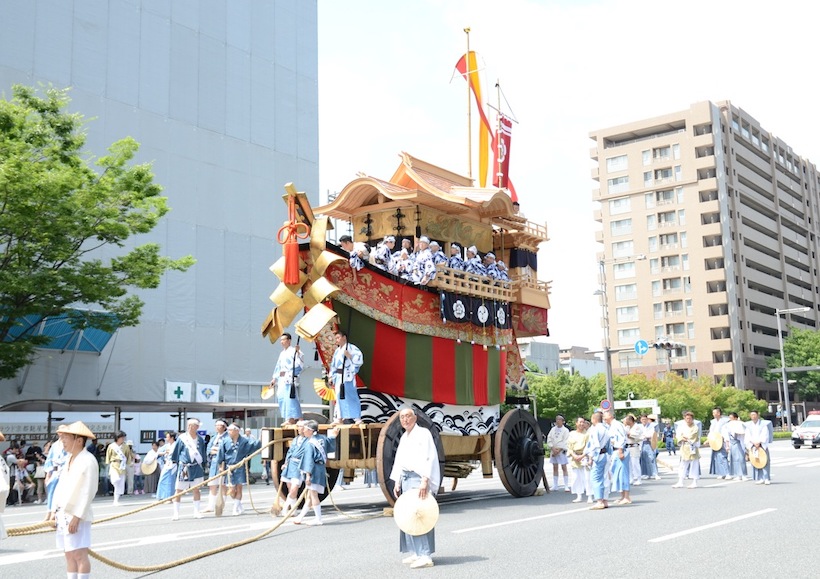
[759,434]
[189,455]
[688,435]
[719,463]
[75,490]
[416,466]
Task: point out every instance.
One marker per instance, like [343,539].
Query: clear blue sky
[567,68]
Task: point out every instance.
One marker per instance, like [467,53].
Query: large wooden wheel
[519,453]
[388,444]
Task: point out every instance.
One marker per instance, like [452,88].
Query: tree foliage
[800,348]
[574,395]
[56,213]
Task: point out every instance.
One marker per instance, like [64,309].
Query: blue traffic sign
[641,347]
[605,405]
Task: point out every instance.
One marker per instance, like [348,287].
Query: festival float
[447,348]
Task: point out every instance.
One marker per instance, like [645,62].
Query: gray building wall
[222,95]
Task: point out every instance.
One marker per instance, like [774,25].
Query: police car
[808,432]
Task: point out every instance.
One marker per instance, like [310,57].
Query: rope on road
[184,560]
[50,526]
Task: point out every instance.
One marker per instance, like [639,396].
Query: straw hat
[148,467]
[758,457]
[79,429]
[715,441]
[413,515]
[2,438]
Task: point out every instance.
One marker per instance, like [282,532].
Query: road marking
[809,465]
[517,521]
[710,526]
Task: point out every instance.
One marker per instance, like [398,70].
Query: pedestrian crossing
[808,461]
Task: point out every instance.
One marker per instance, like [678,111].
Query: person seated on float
[473,263]
[358,251]
[455,261]
[503,274]
[383,256]
[404,265]
[407,245]
[423,267]
[517,209]
[438,255]
[490,266]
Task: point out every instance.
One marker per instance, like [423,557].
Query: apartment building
[709,228]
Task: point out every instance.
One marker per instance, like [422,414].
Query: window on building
[649,200]
[687,284]
[646,157]
[623,270]
[679,194]
[653,244]
[621,226]
[674,308]
[618,184]
[628,336]
[620,205]
[690,330]
[665,197]
[619,163]
[670,262]
[623,249]
[693,358]
[657,311]
[659,153]
[647,179]
[626,314]
[659,332]
[666,219]
[675,331]
[744,129]
[668,240]
[672,285]
[685,261]
[683,239]
[682,217]
[656,288]
[651,222]
[654,265]
[689,310]
[663,174]
[676,151]
[678,173]
[626,292]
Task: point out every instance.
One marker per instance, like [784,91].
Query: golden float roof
[417,182]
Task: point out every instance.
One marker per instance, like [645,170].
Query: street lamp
[787,407]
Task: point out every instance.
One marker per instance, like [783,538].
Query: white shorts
[318,488]
[293,481]
[182,485]
[72,541]
[223,480]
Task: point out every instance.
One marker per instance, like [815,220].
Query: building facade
[709,227]
[223,98]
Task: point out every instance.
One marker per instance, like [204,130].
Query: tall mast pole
[498,142]
[469,109]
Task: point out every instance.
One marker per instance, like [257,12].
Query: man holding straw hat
[75,490]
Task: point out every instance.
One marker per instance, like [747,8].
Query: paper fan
[323,390]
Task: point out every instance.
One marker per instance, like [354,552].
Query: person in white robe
[759,434]
[620,461]
[416,466]
[579,460]
[424,269]
[687,435]
[736,437]
[345,364]
[557,445]
[76,489]
[634,436]
[719,462]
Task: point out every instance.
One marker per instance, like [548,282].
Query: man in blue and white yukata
[649,464]
[189,455]
[346,362]
[455,261]
[736,436]
[473,263]
[416,466]
[383,255]
[490,266]
[291,477]
[55,461]
[288,367]
[424,269]
[214,445]
[598,449]
[312,467]
[759,434]
[719,464]
[359,254]
[620,459]
[234,450]
[438,256]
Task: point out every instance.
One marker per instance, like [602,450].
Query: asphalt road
[722,529]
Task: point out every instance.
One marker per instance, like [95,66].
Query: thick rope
[184,560]
[50,526]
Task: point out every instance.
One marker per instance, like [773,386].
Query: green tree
[800,348]
[56,213]
[561,393]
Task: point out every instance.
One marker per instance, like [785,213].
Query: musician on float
[424,269]
[383,256]
[473,263]
[359,253]
[455,261]
[490,266]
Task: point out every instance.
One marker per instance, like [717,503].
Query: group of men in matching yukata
[606,455]
[418,265]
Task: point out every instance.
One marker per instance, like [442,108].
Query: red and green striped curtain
[424,367]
